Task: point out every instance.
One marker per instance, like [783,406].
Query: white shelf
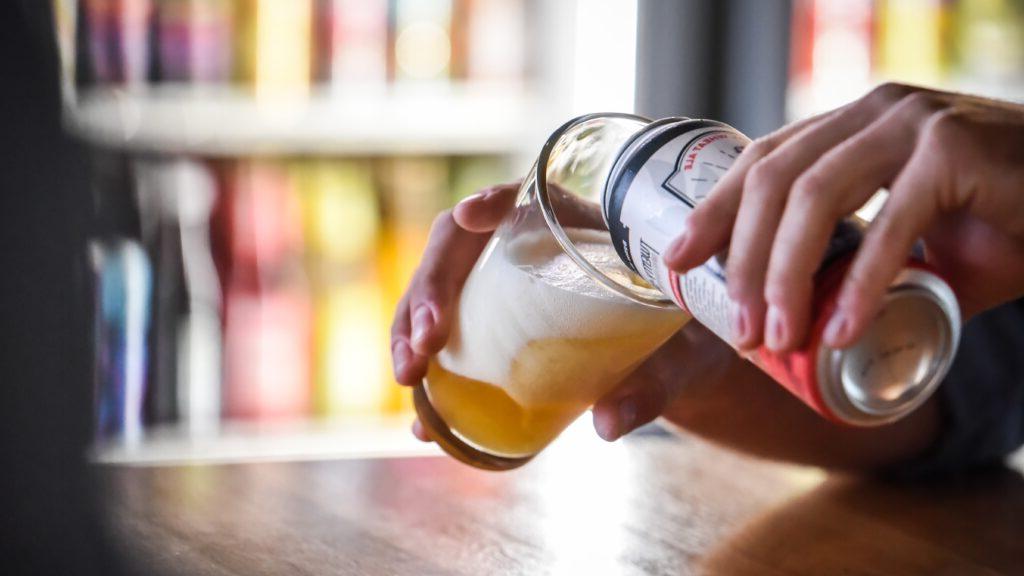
[460,119]
[369,437]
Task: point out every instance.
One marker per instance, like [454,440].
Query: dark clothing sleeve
[50,521]
[982,398]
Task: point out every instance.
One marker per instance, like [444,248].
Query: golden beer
[533,346]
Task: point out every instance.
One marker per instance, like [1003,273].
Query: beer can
[669,167]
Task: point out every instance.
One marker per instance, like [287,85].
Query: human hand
[422,321]
[954,168]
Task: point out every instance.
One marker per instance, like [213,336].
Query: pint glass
[550,319]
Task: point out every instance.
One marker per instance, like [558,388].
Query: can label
[659,187]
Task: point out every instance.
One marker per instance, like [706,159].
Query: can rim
[911,282]
[540,190]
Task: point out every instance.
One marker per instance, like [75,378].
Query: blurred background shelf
[221,121]
[241,441]
[264,177]
[840,50]
[1011,91]
[265,172]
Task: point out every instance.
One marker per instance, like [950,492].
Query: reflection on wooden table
[654,504]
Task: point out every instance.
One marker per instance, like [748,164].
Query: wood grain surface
[649,505]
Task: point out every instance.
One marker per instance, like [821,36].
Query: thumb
[692,356]
[640,399]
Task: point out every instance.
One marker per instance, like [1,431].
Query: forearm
[729,401]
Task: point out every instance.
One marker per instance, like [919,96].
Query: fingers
[831,188]
[649,390]
[767,192]
[419,431]
[409,367]
[483,211]
[423,317]
[449,257]
[638,401]
[643,395]
[778,206]
[707,229]
[573,211]
[912,206]
[709,226]
[744,205]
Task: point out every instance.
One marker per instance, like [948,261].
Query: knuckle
[708,214]
[443,221]
[733,284]
[399,316]
[807,187]
[762,180]
[887,94]
[397,330]
[781,287]
[920,102]
[716,217]
[501,188]
[760,148]
[856,290]
[944,129]
[775,288]
[885,232]
[512,186]
[737,282]
[660,398]
[431,284]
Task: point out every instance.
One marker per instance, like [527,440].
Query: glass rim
[540,183]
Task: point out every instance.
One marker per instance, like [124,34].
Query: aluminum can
[659,177]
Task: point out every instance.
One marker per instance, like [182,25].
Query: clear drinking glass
[550,319]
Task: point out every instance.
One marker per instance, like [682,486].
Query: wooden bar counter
[652,504]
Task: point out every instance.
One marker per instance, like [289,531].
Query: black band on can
[615,191]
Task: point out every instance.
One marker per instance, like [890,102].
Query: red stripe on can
[673,280]
[797,371]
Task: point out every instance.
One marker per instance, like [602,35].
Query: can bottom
[902,357]
[439,432]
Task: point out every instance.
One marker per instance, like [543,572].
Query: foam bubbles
[526,292]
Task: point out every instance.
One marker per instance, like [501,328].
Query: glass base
[456,447]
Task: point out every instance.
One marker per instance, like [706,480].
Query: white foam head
[525,293]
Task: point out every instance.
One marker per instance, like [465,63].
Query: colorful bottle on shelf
[351,38]
[186,382]
[193,40]
[123,279]
[267,302]
[341,228]
[421,40]
[273,47]
[118,40]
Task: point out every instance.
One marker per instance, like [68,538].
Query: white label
[677,177]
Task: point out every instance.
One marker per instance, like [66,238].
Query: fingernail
[627,416]
[775,329]
[422,322]
[836,328]
[400,355]
[605,426]
[472,198]
[738,320]
[419,432]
